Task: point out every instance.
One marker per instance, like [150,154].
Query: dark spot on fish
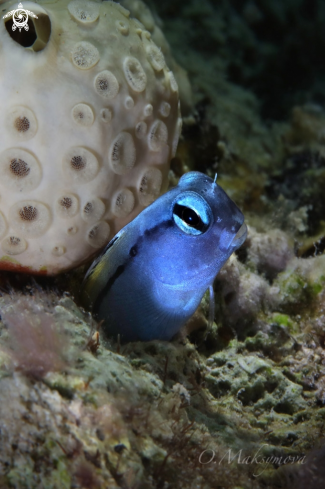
[133,251]
[110,244]
[121,268]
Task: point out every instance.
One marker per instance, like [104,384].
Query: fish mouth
[228,243]
[240,237]
[205,275]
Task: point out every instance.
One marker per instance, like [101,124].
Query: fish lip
[240,237]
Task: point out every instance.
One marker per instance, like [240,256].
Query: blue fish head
[200,228]
[151,277]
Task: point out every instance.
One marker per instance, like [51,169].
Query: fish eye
[191,213]
[188,216]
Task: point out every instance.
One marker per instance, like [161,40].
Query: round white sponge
[89,120]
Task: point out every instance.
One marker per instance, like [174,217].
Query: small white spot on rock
[30,218]
[93,210]
[71,231]
[84,11]
[80,165]
[141,130]
[84,55]
[147,111]
[158,135]
[58,250]
[13,245]
[164,109]
[134,74]
[123,203]
[156,57]
[150,186]
[129,103]
[22,123]
[106,85]
[122,27]
[19,169]
[172,82]
[83,115]
[97,236]
[106,115]
[146,35]
[67,205]
[122,153]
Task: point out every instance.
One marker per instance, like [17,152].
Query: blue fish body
[152,275]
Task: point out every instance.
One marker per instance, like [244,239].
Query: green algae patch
[295,290]
[317,287]
[285,321]
[282,319]
[60,477]
[21,476]
[6,258]
[300,285]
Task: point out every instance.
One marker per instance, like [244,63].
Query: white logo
[20,18]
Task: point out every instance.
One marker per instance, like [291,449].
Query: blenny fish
[152,275]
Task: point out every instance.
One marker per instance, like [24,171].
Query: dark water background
[274,48]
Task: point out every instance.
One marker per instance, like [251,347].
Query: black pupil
[190,217]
